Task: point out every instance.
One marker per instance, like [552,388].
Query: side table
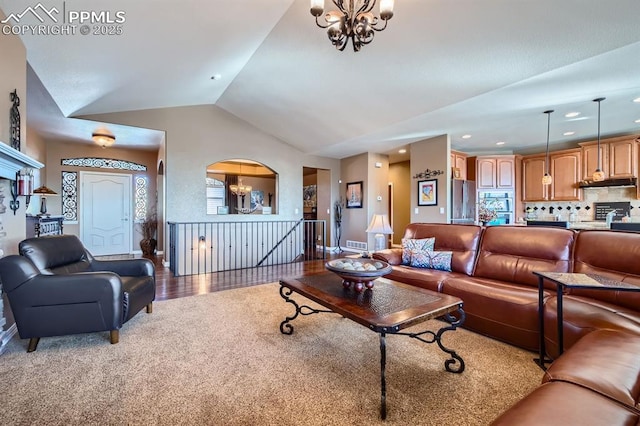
[566,281]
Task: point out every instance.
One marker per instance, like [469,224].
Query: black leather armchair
[57,288]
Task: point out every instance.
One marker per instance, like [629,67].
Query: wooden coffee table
[387,308]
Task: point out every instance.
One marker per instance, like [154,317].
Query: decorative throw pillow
[411,245]
[440,260]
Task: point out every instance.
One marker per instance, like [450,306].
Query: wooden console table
[39,226]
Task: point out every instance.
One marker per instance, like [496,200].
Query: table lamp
[380,226]
[43,191]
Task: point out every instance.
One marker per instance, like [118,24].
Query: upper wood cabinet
[623,158]
[533,168]
[590,159]
[459,161]
[618,157]
[565,168]
[496,172]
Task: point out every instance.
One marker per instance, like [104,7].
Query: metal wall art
[103,163]
[428,174]
[14,116]
[70,196]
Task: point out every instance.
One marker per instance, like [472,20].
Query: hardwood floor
[170,287]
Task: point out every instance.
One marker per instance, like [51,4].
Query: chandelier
[240,189]
[353,20]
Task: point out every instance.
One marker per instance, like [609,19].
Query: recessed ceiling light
[216,77]
[466,136]
[636,100]
[500,143]
[402,151]
[572,114]
[637,121]
[569,133]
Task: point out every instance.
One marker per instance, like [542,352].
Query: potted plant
[148,228]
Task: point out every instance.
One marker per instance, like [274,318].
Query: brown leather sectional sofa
[492,272]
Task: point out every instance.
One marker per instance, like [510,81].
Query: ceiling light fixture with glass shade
[598,175]
[547,179]
[103,137]
[352,21]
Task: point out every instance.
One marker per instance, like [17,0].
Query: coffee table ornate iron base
[360,308]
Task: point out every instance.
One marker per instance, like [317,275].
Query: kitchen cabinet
[618,157]
[623,158]
[495,172]
[590,159]
[565,168]
[533,168]
[459,161]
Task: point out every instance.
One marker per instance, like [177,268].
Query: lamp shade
[380,224]
[44,190]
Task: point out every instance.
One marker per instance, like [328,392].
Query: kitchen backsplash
[584,209]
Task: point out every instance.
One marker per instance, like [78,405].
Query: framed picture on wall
[354,195]
[428,192]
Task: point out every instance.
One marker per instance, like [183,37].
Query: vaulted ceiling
[487,68]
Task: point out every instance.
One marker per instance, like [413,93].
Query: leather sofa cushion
[56,254]
[462,240]
[503,310]
[581,316]
[605,361]
[612,254]
[513,253]
[430,279]
[562,404]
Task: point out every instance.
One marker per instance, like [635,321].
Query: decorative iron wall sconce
[22,186]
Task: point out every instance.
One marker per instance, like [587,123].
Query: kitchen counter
[588,225]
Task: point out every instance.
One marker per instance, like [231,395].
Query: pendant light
[598,175]
[547,179]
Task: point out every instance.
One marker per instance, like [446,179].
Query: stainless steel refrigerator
[463,201]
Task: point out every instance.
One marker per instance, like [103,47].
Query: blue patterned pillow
[411,246]
[440,260]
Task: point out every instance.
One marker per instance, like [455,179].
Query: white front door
[105,211]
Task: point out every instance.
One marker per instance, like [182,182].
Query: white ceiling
[487,68]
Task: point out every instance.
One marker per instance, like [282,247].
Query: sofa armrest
[43,290]
[126,267]
[392,256]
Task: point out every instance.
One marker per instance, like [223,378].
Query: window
[215,195]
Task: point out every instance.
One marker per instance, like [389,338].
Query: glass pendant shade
[547,179]
[598,175]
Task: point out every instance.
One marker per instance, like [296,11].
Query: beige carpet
[219,359]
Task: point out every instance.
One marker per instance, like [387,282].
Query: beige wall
[57,150]
[432,154]
[354,220]
[13,75]
[377,190]
[400,177]
[201,135]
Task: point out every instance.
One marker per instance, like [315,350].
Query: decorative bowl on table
[358,272]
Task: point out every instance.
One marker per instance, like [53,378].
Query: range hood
[608,182]
[12,160]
